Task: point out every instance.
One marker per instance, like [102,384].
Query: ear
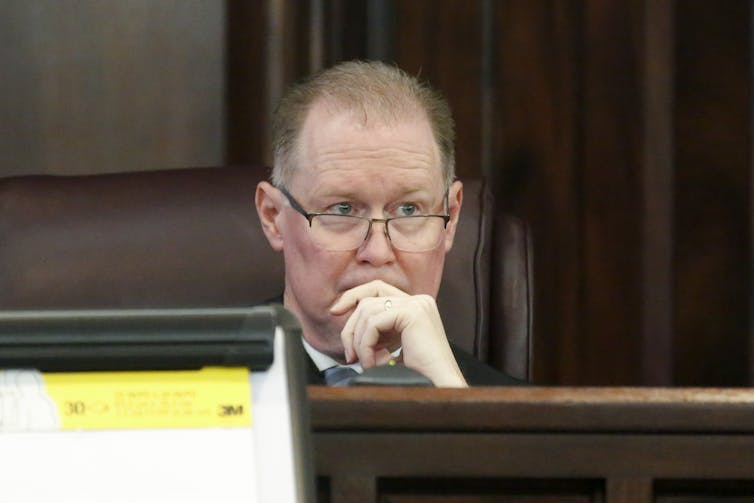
[269,206]
[455,200]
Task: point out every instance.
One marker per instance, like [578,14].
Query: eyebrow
[349,194]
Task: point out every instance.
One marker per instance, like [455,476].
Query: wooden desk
[411,445]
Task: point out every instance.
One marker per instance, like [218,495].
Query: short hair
[372,88]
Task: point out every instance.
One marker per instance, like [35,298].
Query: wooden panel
[272,44]
[706,497]
[534,409]
[475,490]
[629,490]
[657,192]
[713,152]
[440,40]
[345,30]
[704,491]
[510,455]
[516,498]
[611,192]
[90,87]
[535,153]
[347,488]
[452,446]
[247,73]
[269,47]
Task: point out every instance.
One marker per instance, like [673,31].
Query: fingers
[385,318]
[354,298]
[351,297]
[372,333]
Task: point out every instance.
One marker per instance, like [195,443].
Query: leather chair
[191,238]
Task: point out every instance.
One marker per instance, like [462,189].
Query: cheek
[299,253]
[311,270]
[424,271]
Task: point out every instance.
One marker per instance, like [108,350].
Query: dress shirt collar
[324,362]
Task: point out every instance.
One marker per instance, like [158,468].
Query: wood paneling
[572,445]
[712,219]
[108,86]
[727,491]
[658,196]
[535,154]
[639,206]
[247,82]
[477,490]
[440,41]
[611,192]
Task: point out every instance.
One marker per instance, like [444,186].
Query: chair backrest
[191,238]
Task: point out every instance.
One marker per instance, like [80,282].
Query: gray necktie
[339,376]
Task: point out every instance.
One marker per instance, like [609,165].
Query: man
[364,206]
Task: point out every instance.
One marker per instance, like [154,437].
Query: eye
[407,210]
[342,208]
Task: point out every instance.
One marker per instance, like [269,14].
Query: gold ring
[388,304]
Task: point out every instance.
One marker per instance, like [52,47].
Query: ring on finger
[388,304]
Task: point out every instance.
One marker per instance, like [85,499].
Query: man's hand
[386,318]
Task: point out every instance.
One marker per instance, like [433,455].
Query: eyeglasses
[413,233]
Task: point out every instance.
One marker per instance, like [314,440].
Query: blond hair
[366,88]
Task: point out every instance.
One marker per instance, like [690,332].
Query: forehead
[344,148]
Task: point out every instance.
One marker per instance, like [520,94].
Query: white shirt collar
[324,362]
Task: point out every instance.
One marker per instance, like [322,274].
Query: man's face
[377,168]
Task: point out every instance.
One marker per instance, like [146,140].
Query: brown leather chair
[191,237]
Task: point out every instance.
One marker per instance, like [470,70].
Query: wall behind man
[95,86]
[620,130]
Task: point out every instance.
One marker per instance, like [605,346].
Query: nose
[376,248]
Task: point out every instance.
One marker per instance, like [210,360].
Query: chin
[336,323]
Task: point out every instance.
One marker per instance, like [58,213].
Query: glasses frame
[310,216]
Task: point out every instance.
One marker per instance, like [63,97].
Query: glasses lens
[343,232]
[421,233]
[338,232]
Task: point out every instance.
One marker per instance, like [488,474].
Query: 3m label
[211,397]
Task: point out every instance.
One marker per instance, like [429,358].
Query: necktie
[339,376]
